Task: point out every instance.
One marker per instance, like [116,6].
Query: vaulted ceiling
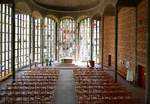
[61,8]
[68,5]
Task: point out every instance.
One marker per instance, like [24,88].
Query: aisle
[65,90]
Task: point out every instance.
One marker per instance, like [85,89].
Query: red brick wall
[141,32]
[109,39]
[127,37]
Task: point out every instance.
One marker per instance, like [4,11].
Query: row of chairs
[33,87]
[98,87]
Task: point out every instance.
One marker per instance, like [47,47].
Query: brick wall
[126,37]
[109,39]
[141,32]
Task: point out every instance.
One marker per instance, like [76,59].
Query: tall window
[22,40]
[96,40]
[67,38]
[49,38]
[37,40]
[5,39]
[85,39]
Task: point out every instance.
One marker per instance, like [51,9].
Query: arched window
[5,39]
[85,39]
[67,38]
[49,38]
[22,37]
[96,40]
[38,29]
[45,34]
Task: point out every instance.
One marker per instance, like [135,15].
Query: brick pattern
[109,39]
[126,37]
[141,32]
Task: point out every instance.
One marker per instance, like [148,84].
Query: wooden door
[109,60]
[141,76]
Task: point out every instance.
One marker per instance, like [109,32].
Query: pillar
[148,58]
[116,42]
[13,42]
[91,39]
[102,41]
[33,41]
[56,43]
[30,44]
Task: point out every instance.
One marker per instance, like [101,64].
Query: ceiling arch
[22,7]
[53,17]
[37,15]
[83,17]
[66,17]
[96,16]
[109,10]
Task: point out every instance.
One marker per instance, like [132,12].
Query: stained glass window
[5,39]
[37,40]
[85,39]
[49,38]
[96,40]
[22,40]
[67,38]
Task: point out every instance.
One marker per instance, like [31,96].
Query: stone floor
[65,91]
[137,92]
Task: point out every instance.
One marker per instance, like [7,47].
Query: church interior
[74,51]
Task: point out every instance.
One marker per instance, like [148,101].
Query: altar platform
[65,65]
[66,60]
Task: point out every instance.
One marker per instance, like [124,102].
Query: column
[148,58]
[42,40]
[56,44]
[30,44]
[91,39]
[33,41]
[13,42]
[102,41]
[116,42]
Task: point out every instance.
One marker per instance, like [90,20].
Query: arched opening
[108,42]
[67,39]
[109,10]
[45,39]
[96,40]
[85,39]
[49,39]
[36,15]
[22,7]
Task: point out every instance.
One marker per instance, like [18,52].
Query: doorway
[109,60]
[141,76]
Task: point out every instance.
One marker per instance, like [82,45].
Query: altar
[66,60]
